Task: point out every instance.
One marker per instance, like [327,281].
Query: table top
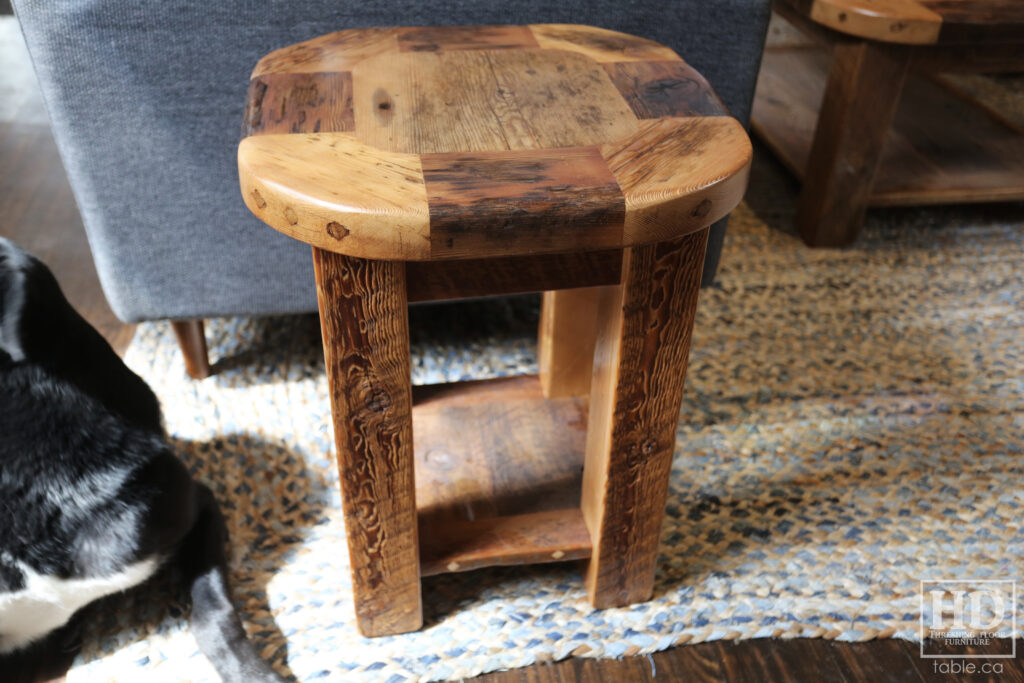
[471,142]
[921,22]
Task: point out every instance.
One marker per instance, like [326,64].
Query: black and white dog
[92,499]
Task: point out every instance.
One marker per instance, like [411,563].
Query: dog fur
[93,500]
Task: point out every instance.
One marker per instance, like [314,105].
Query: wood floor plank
[38,211]
[884,661]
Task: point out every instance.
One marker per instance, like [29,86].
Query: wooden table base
[454,477]
[943,146]
[446,162]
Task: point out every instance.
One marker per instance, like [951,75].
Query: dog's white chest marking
[47,602]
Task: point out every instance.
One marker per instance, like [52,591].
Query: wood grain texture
[920,22]
[192,342]
[434,281]
[364,318]
[506,491]
[864,85]
[894,21]
[669,88]
[502,203]
[943,147]
[979,22]
[331,191]
[486,100]
[565,340]
[446,99]
[755,661]
[601,45]
[449,38]
[533,538]
[516,453]
[643,343]
[679,175]
[299,103]
[338,51]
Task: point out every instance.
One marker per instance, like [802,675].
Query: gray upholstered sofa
[146,101]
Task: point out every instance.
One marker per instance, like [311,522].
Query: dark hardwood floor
[38,211]
[757,661]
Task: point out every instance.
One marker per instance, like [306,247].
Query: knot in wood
[702,209]
[377,400]
[337,230]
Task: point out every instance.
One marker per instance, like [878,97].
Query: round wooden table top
[421,144]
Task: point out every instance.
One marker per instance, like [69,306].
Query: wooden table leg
[364,318]
[565,343]
[643,343]
[863,89]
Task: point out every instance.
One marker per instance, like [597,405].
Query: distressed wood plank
[517,452]
[459,546]
[448,38]
[508,490]
[486,100]
[299,103]
[643,343]
[434,281]
[512,202]
[906,22]
[601,45]
[679,175]
[338,51]
[670,88]
[380,210]
[920,22]
[364,318]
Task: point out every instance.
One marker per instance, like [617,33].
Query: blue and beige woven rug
[853,423]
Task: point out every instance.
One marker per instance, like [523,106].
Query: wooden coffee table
[887,133]
[436,163]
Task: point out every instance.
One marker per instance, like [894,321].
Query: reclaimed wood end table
[861,120]
[436,163]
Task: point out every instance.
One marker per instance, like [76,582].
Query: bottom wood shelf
[498,475]
[944,147]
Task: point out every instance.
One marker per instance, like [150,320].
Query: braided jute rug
[853,423]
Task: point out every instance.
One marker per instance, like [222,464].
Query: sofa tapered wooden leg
[192,340]
[643,343]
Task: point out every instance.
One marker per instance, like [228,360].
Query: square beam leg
[643,343]
[565,342]
[864,85]
[364,319]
